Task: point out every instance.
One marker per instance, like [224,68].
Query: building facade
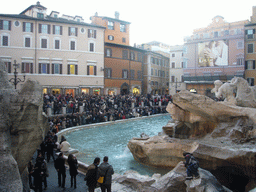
[123,63]
[177,64]
[214,52]
[64,54]
[250,54]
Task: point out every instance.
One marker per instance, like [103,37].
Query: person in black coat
[73,166]
[192,166]
[49,149]
[92,175]
[61,169]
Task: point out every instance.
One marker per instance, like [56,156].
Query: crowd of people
[98,108]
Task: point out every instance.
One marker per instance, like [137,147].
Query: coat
[92,175]
[73,166]
[106,170]
[60,164]
[64,146]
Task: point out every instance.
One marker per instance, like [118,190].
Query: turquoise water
[112,140]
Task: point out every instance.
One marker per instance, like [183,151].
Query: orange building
[123,64]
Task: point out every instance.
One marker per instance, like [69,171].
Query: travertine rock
[22,129]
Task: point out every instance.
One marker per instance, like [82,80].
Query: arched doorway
[124,89]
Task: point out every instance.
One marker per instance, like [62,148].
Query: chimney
[253,17]
[117,15]
[37,3]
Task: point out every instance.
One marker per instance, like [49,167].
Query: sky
[167,21]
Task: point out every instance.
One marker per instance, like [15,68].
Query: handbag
[100,180]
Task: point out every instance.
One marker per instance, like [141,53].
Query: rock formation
[220,135]
[22,127]
[172,181]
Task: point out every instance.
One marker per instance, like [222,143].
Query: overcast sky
[167,21]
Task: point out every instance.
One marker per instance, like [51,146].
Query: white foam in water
[126,153]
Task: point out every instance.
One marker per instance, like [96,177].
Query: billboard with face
[213,53]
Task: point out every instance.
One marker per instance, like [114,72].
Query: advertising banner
[213,53]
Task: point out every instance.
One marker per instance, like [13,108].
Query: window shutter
[253,64]
[60,68]
[246,32]
[1,24]
[49,29]
[10,25]
[40,28]
[31,68]
[52,68]
[69,32]
[95,70]
[9,67]
[110,72]
[24,25]
[88,70]
[76,31]
[253,31]
[48,68]
[53,29]
[252,82]
[88,33]
[32,25]
[76,69]
[39,68]
[95,34]
[68,69]
[110,52]
[60,30]
[122,73]
[246,65]
[22,67]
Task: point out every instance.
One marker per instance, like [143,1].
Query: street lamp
[176,84]
[16,80]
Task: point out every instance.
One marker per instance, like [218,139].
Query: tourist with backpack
[192,165]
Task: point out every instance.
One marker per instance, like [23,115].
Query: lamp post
[16,80]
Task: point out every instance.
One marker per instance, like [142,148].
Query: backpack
[194,161]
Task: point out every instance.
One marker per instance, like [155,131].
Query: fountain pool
[112,140]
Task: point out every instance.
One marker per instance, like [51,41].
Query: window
[27,67]
[155,72]
[8,67]
[173,55]
[125,54]
[123,40]
[125,74]
[250,81]
[91,33]
[27,27]
[57,30]
[111,37]
[173,65]
[157,61]
[72,45]
[56,68]
[40,15]
[240,45]
[91,48]
[163,73]
[182,78]
[152,60]
[250,64]
[216,34]
[172,78]
[132,56]
[44,43]
[250,48]
[44,68]
[44,29]
[122,28]
[250,33]
[139,57]
[108,52]
[167,74]
[184,64]
[5,25]
[91,70]
[206,35]
[159,73]
[72,69]
[57,44]
[226,32]
[139,75]
[240,61]
[108,72]
[72,31]
[5,40]
[27,42]
[111,25]
[152,71]
[132,74]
